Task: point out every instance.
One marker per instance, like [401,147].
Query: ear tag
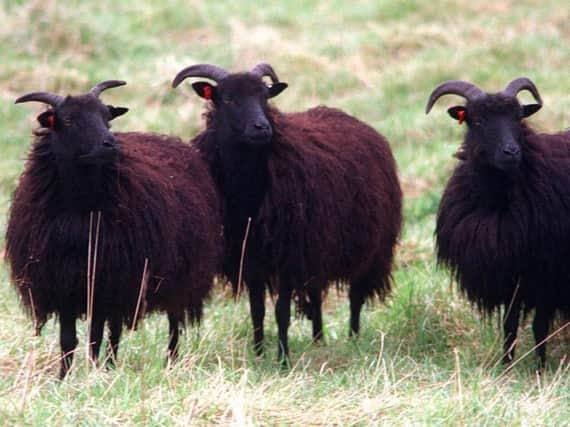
[51,121]
[207,92]
[461,116]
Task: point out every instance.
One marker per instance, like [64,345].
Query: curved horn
[265,69]
[45,97]
[522,83]
[107,84]
[457,87]
[212,72]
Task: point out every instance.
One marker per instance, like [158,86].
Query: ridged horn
[456,87]
[265,69]
[107,84]
[45,97]
[212,72]
[522,83]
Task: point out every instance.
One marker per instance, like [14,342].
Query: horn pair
[217,74]
[54,100]
[471,92]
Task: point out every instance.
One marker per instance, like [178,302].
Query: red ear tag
[51,121]
[207,92]
[461,115]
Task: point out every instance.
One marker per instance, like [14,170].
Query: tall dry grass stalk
[30,360]
[458,384]
[242,257]
[141,300]
[141,310]
[92,251]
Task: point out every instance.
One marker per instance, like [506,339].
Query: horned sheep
[319,187]
[503,224]
[97,216]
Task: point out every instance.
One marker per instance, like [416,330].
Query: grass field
[424,357]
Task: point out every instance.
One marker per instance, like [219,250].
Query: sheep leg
[174,332]
[356,303]
[510,327]
[257,309]
[540,326]
[68,341]
[95,337]
[316,301]
[283,315]
[115,330]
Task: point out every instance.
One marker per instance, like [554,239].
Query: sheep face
[240,108]
[494,133]
[78,126]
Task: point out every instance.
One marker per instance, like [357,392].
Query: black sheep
[321,190]
[111,204]
[503,225]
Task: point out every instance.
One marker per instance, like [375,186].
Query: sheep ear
[276,88]
[204,90]
[116,111]
[458,112]
[47,119]
[530,109]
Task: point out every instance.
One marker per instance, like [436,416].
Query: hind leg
[283,315]
[375,282]
[174,332]
[68,341]
[356,297]
[540,326]
[510,328]
[316,301]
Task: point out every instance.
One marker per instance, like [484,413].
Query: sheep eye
[227,99]
[67,122]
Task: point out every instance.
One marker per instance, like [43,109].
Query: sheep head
[79,125]
[494,121]
[240,100]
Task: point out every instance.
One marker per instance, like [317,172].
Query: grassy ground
[424,357]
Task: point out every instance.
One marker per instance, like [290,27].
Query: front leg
[68,341]
[257,309]
[115,331]
[174,332]
[96,336]
[283,315]
[540,325]
[510,327]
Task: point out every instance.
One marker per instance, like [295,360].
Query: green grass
[424,357]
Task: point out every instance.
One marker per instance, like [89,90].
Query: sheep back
[332,210]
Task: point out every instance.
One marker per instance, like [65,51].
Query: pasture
[425,356]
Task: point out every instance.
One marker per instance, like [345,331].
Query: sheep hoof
[285,363]
[258,348]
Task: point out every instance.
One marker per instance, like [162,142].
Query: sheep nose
[512,150]
[109,143]
[261,126]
